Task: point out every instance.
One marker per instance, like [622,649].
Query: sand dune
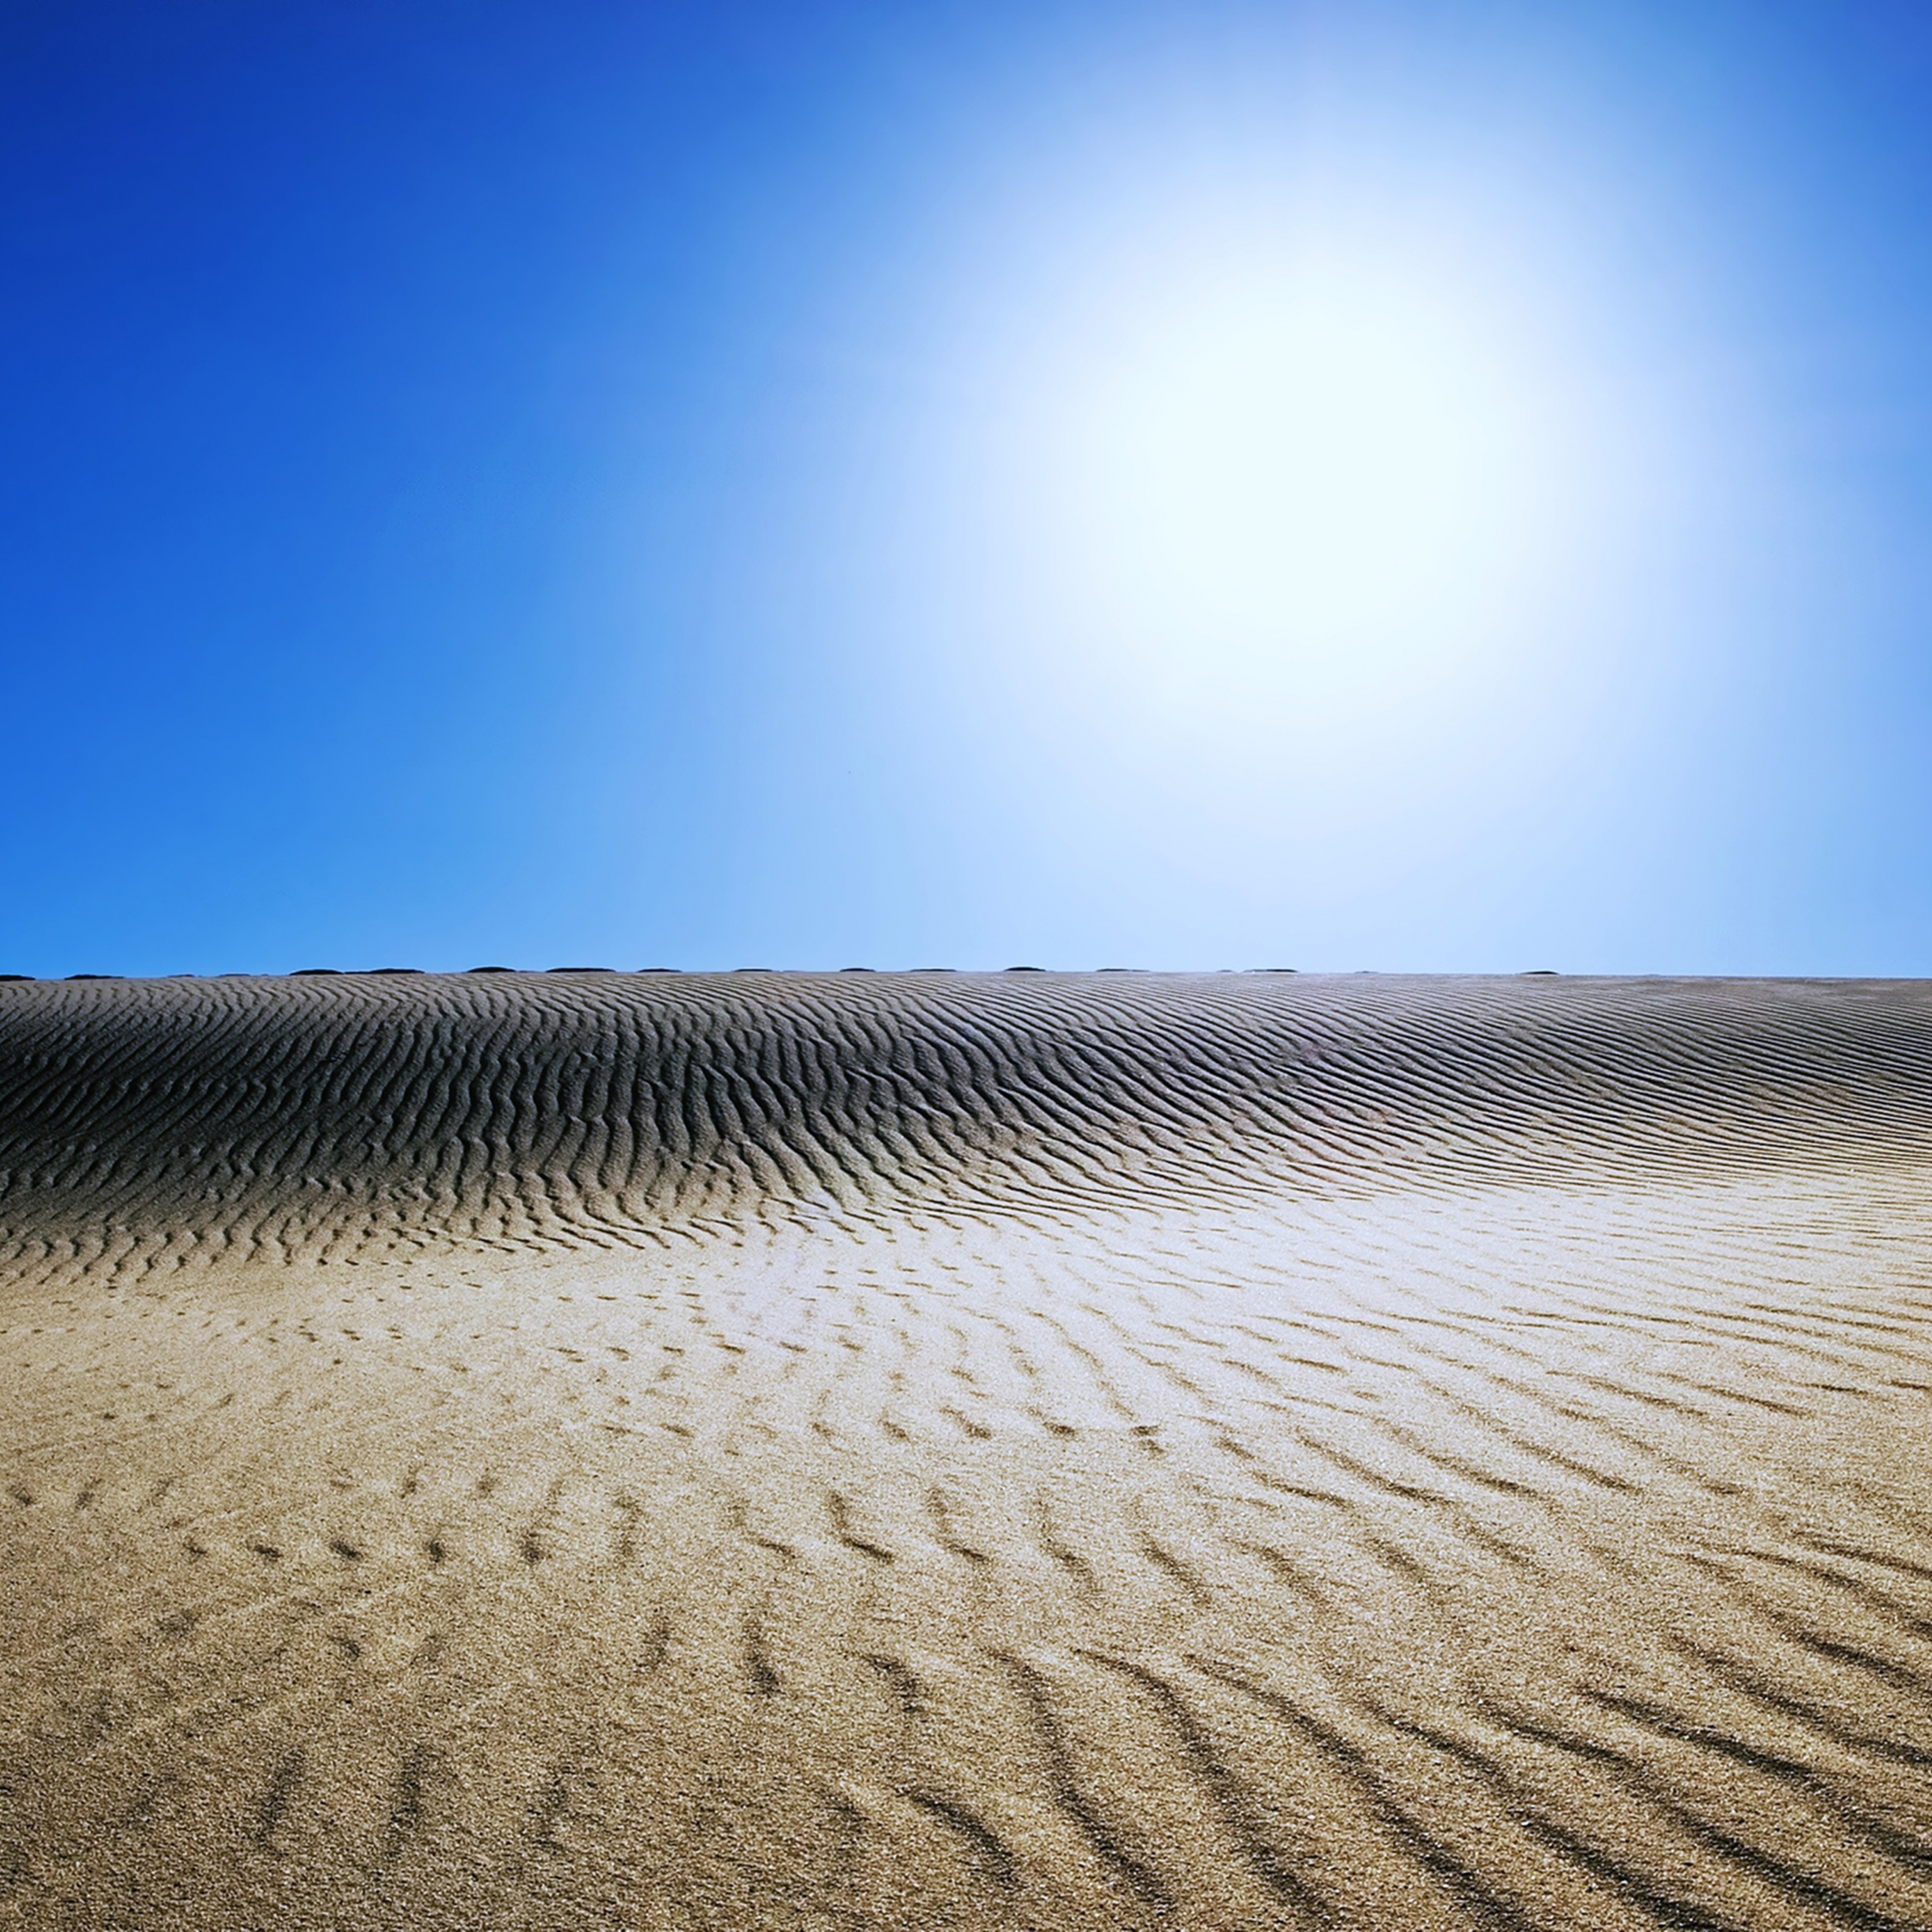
[917,1450]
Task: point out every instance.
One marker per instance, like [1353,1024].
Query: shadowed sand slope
[1027,1450]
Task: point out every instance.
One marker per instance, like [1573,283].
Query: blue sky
[1418,486]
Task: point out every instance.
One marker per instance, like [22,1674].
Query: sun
[1314,469]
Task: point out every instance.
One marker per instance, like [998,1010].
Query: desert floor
[522,1450]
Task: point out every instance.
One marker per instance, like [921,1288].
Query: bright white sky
[1309,464]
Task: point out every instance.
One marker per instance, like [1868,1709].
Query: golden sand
[903,1451]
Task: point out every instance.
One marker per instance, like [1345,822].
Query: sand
[918,1450]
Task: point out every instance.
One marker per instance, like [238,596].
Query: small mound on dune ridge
[1047,1451]
[287,1113]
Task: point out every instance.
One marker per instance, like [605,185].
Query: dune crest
[290,1114]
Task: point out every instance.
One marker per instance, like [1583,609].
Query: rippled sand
[903,1451]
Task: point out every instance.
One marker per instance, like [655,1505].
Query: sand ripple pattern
[1032,1450]
[535,1109]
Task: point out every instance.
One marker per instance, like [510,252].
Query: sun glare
[1318,474]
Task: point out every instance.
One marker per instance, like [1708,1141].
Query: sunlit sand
[1012,1450]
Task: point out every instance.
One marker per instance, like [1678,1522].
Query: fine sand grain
[907,1450]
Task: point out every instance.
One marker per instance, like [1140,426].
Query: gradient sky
[1438,487]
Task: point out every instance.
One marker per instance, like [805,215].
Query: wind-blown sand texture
[904,1451]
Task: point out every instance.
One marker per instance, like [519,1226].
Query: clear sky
[1386,484]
